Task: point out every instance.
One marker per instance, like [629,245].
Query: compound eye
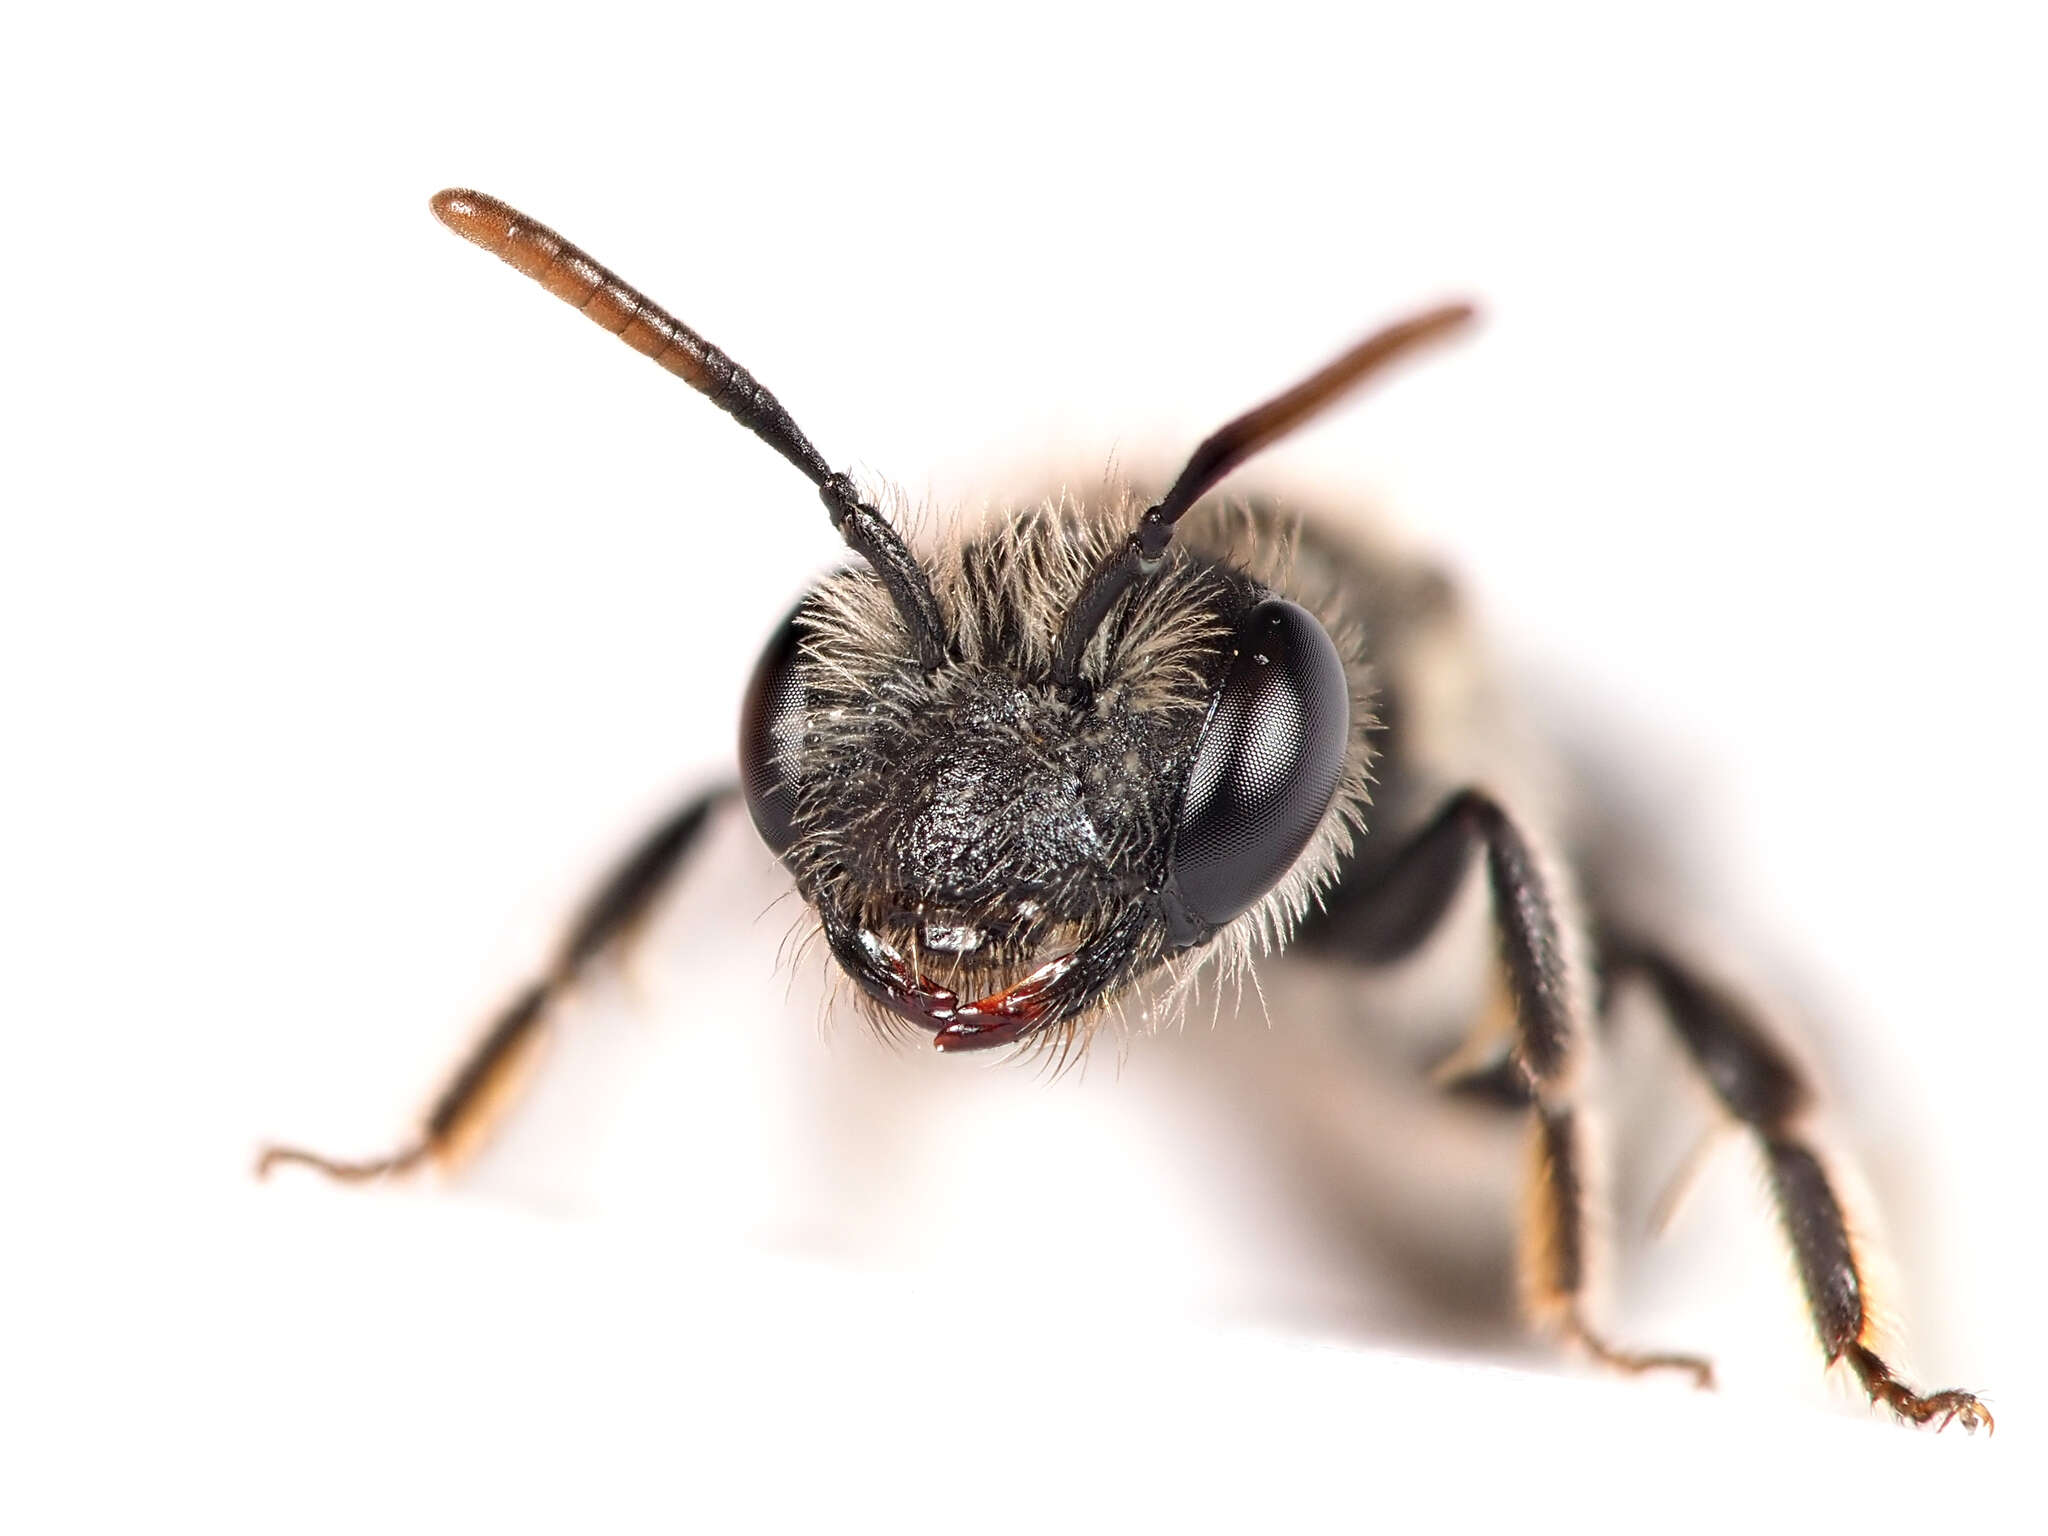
[1265,772]
[771,736]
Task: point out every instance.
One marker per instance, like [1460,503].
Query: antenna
[1222,452]
[571,276]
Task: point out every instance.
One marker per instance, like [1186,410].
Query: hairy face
[986,851]
[1061,732]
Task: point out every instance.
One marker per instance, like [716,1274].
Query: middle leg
[1545,974]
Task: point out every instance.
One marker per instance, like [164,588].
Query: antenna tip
[1448,317]
[476,216]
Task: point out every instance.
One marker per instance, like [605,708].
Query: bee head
[1013,783]
[994,850]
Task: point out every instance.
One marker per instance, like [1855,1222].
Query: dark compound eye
[1265,773]
[771,735]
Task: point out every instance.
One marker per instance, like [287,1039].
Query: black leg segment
[622,900]
[1757,1082]
[604,924]
[1403,908]
[1556,1252]
[1541,972]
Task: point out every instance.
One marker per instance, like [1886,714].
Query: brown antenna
[573,277]
[1222,452]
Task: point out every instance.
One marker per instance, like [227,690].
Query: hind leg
[1756,1082]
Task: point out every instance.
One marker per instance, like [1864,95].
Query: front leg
[485,1081]
[1548,987]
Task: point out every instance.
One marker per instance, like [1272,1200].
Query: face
[1013,781]
[995,856]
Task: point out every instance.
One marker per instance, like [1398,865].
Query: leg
[484,1082]
[1758,1084]
[1548,991]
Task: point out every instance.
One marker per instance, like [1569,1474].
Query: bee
[1095,754]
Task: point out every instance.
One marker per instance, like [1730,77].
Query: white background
[357,601]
